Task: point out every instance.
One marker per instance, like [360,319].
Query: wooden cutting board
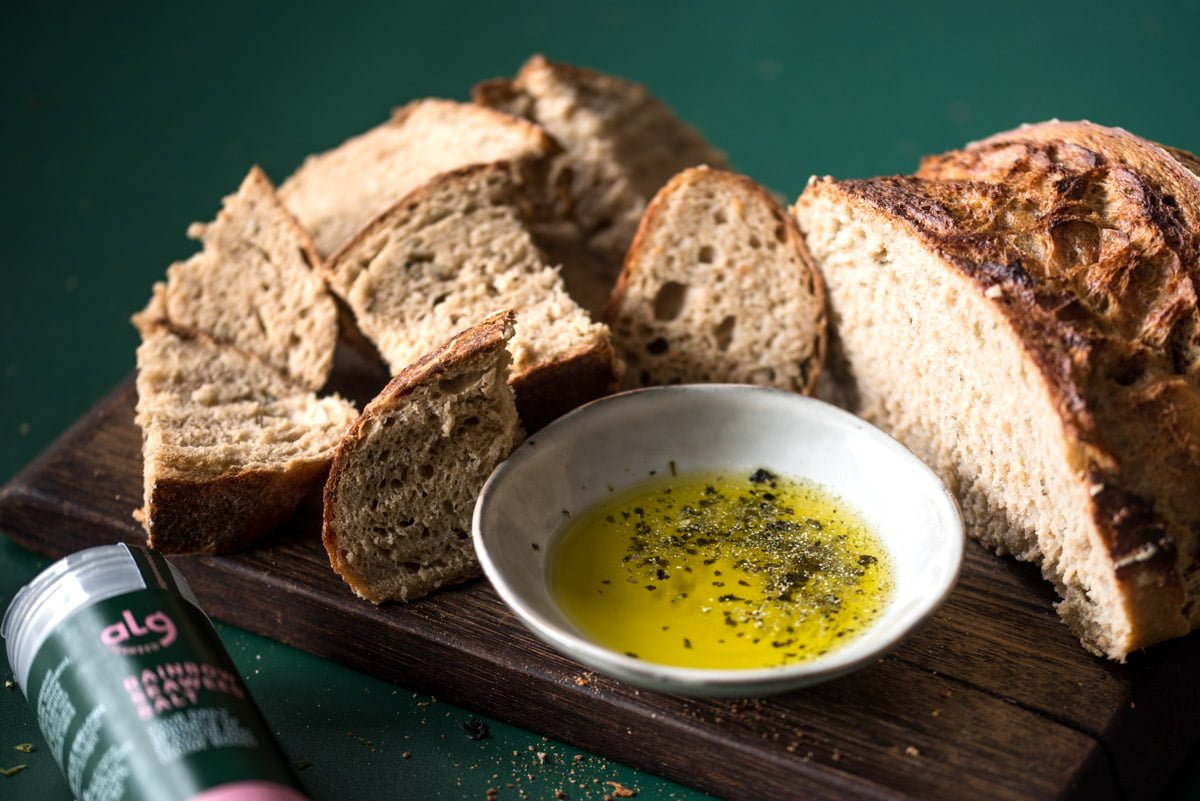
[991,699]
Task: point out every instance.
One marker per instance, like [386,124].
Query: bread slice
[456,250]
[253,285]
[718,287]
[230,445]
[403,485]
[1023,315]
[622,144]
[337,192]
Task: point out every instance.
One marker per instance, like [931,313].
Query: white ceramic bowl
[617,441]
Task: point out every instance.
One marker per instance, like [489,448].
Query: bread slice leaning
[622,145]
[233,344]
[1023,315]
[453,252]
[400,494]
[230,445]
[718,287]
[254,285]
[337,192]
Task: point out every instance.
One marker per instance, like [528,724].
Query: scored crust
[1075,248]
[719,286]
[405,534]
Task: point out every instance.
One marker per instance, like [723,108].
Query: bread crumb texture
[403,485]
[455,251]
[621,145]
[337,192]
[233,344]
[718,287]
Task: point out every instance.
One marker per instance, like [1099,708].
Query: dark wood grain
[993,698]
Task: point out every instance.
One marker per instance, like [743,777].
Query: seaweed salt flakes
[720,571]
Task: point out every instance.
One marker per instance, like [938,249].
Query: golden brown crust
[1087,241]
[487,335]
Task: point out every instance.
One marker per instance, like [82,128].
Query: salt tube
[134,692]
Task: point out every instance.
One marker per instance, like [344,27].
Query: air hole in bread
[723,333]
[453,385]
[415,259]
[406,522]
[657,346]
[706,254]
[458,532]
[669,300]
[447,507]
[1126,372]
[780,234]
[719,217]
[411,567]
[1075,242]
[425,471]
[440,299]
[755,242]
[471,422]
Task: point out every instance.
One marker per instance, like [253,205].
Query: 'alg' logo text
[128,636]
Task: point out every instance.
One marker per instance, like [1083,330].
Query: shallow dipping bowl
[620,441]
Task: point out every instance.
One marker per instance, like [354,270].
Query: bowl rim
[864,649]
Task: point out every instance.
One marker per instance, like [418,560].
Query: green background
[120,124]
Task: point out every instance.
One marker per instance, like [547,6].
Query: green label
[139,701]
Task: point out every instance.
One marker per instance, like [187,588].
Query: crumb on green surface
[13,771]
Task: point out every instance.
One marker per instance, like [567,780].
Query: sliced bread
[230,444]
[621,145]
[337,192]
[400,494]
[1023,315]
[254,286]
[456,250]
[718,287]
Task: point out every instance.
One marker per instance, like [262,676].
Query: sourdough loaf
[718,286]
[400,494]
[337,192]
[253,285]
[230,445]
[1023,314]
[454,251]
[621,145]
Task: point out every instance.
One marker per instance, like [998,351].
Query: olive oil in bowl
[720,571]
